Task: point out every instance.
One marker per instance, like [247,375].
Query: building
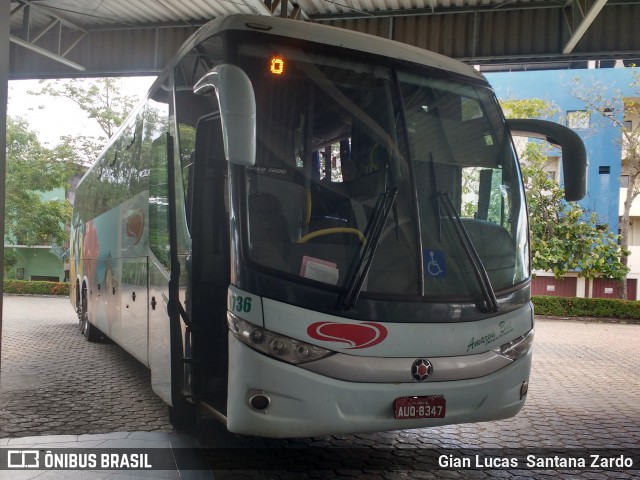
[606,173]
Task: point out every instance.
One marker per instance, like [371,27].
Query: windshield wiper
[490,304]
[372,234]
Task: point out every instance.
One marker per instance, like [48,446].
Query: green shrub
[586,307]
[36,287]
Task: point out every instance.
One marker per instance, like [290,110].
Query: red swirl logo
[359,335]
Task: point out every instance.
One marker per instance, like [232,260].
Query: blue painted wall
[602,141]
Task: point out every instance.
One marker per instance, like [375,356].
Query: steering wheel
[332,231]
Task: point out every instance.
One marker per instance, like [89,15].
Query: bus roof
[329,35]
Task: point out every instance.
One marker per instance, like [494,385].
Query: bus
[305,231]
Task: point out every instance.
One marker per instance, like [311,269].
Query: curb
[622,321]
[42,295]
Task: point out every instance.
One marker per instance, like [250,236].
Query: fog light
[524,388]
[259,402]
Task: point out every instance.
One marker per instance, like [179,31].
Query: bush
[586,307]
[36,287]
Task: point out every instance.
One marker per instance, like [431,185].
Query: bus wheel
[90,332]
[80,318]
[78,306]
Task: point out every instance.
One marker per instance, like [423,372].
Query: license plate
[420,407]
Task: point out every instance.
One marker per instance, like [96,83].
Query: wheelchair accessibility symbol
[434,264]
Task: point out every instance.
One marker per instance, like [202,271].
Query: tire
[79,307]
[91,333]
[80,317]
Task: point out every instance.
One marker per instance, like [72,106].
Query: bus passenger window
[187,143]
[159,201]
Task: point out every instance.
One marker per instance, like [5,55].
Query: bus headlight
[273,344]
[517,347]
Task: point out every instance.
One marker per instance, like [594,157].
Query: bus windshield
[379,180]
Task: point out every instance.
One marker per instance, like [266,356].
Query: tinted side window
[154,154]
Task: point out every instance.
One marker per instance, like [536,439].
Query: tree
[612,107]
[31,170]
[563,236]
[80,150]
[102,100]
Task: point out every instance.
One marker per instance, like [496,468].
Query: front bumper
[303,403]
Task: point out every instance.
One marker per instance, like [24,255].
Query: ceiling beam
[46,53]
[579,15]
[269,7]
[57,28]
[418,12]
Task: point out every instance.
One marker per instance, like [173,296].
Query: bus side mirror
[574,155]
[237,111]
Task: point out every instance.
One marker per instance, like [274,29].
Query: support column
[4,82]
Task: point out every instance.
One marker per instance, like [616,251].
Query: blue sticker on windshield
[435,264]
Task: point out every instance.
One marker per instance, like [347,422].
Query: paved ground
[52,381]
[584,394]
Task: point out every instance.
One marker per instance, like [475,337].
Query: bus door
[210,262]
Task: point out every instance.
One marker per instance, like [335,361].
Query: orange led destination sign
[277,65]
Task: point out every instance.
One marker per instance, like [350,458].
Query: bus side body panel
[132,292]
[114,228]
[111,256]
[159,331]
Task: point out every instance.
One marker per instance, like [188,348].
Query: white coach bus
[305,230]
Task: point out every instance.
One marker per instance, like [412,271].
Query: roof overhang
[66,38]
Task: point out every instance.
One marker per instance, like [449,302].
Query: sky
[52,117]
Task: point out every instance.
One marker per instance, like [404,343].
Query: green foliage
[586,307]
[564,237]
[79,150]
[31,169]
[529,108]
[10,261]
[102,100]
[26,287]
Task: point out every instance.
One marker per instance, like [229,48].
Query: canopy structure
[55,38]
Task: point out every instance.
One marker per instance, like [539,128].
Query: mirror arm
[237,102]
[574,154]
